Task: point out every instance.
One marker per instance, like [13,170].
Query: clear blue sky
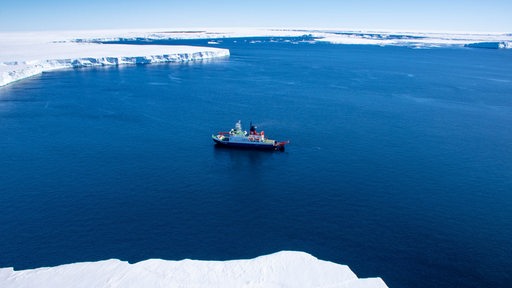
[444,15]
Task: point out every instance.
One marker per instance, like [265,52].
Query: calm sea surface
[400,162]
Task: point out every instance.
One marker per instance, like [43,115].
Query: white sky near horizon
[412,15]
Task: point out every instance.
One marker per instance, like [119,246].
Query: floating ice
[283,269]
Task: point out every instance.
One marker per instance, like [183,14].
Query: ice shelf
[24,55]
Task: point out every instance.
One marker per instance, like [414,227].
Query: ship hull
[241,145]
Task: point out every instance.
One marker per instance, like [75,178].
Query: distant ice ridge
[282,269]
[24,55]
[491,45]
[415,39]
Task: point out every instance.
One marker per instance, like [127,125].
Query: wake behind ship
[237,138]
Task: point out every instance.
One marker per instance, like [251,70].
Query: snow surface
[282,269]
[26,54]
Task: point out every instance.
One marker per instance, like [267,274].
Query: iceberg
[282,269]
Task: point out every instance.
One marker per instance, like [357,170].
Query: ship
[238,138]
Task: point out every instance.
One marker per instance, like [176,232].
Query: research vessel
[239,138]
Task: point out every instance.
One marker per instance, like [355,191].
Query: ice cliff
[283,269]
[491,45]
[22,58]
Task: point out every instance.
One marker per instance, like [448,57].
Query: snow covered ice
[283,269]
[23,55]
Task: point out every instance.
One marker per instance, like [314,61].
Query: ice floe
[282,269]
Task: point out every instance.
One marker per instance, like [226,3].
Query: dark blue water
[400,162]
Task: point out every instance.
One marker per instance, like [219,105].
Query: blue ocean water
[399,165]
